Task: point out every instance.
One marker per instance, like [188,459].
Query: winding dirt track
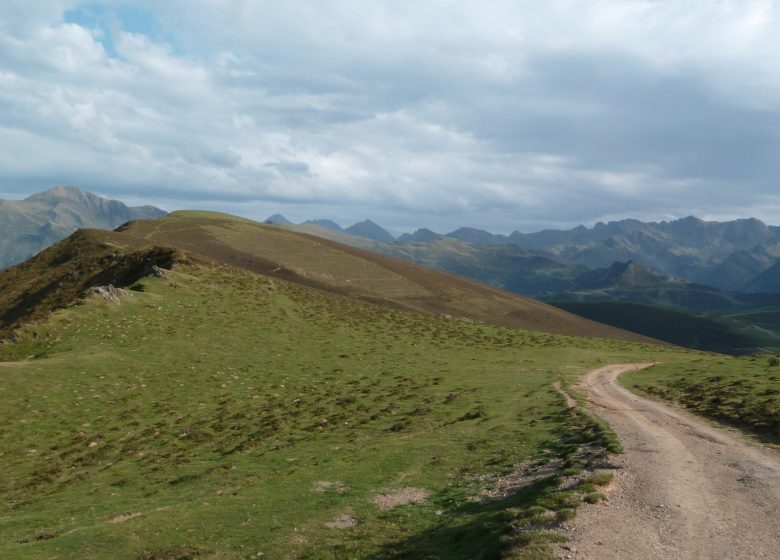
[684,489]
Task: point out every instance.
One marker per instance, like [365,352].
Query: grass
[258,411]
[599,479]
[742,392]
[223,414]
[594,498]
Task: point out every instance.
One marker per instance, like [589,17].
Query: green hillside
[219,413]
[254,403]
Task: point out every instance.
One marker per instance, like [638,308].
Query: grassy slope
[325,264]
[743,392]
[214,407]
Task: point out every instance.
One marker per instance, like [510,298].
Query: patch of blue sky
[106,19]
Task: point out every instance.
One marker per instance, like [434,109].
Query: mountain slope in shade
[618,283]
[30,225]
[370,230]
[767,282]
[741,267]
[674,325]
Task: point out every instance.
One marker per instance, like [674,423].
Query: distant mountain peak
[477,236]
[278,220]
[63,192]
[370,230]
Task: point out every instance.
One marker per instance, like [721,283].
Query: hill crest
[347,271]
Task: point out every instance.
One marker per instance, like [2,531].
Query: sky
[499,114]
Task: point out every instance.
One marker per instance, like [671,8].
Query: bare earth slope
[685,489]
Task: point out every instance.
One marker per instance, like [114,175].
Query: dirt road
[684,489]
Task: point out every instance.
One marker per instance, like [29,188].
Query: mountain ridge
[725,255]
[30,225]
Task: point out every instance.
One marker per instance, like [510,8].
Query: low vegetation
[220,413]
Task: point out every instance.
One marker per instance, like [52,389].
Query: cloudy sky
[499,114]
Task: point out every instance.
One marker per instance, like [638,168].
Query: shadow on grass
[471,531]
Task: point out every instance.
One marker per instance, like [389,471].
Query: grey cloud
[290,167]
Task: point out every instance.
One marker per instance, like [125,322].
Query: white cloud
[500,114]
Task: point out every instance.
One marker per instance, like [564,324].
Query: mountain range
[726,255]
[30,225]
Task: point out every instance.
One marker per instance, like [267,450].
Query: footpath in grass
[221,414]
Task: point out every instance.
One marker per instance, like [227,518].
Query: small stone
[93,444]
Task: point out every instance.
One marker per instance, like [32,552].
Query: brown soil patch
[390,500]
